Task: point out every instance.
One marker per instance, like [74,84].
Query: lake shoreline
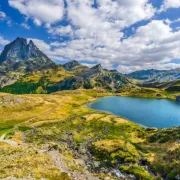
[89,105]
[108,112]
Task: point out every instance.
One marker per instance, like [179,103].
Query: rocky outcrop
[9,100]
[21,55]
[71,65]
[21,50]
[95,77]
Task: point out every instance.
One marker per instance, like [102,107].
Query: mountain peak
[97,67]
[20,50]
[20,39]
[71,65]
[25,54]
[31,42]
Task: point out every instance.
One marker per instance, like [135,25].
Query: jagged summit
[21,54]
[20,50]
[98,66]
[71,65]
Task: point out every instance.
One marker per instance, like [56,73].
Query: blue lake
[159,113]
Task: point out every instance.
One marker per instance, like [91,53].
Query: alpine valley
[47,132]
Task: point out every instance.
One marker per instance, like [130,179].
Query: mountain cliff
[19,58]
[20,54]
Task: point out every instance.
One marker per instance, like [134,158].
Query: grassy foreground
[60,138]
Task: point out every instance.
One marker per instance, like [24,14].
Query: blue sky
[127,34]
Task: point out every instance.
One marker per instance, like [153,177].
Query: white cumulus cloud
[96,33]
[3,41]
[170,4]
[41,11]
[25,26]
[2,15]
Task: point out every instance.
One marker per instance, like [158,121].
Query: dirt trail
[14,143]
[54,154]
[75,174]
[43,114]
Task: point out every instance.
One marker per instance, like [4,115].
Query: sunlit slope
[57,79]
[83,138]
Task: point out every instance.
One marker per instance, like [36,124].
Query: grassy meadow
[60,122]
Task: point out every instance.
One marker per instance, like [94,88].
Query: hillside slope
[60,138]
[55,79]
[25,69]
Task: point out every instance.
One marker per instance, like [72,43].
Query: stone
[96,164]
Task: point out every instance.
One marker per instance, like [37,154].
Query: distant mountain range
[158,76]
[25,69]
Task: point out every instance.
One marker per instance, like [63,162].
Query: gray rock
[20,54]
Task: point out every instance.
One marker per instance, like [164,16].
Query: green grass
[113,141]
[138,171]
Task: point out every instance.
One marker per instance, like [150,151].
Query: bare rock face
[20,54]
[9,100]
[20,50]
[71,65]
[20,57]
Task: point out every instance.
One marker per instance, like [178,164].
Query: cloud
[169,4]
[2,15]
[25,26]
[61,30]
[129,69]
[152,46]
[3,41]
[55,44]
[40,44]
[41,11]
[95,32]
[89,65]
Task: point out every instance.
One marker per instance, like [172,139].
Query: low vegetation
[84,139]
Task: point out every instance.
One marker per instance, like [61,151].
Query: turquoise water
[159,113]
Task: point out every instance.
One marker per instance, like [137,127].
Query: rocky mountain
[25,69]
[88,78]
[144,74]
[166,76]
[71,65]
[20,57]
[165,79]
[57,79]
[20,54]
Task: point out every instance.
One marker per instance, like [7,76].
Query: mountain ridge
[25,66]
[23,60]
[19,50]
